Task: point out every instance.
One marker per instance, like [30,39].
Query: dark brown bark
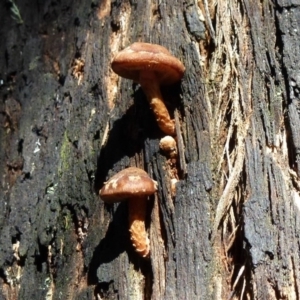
[67,123]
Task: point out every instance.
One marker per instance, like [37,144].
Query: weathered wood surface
[68,123]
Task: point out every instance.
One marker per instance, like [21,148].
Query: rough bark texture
[68,123]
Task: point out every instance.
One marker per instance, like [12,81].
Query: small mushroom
[151,66]
[168,145]
[135,185]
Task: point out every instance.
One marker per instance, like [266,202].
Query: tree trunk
[68,123]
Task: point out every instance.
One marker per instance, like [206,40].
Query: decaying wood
[67,123]
[257,209]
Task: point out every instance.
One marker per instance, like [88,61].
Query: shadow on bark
[111,246]
[129,133]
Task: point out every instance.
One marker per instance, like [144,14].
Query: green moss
[34,63]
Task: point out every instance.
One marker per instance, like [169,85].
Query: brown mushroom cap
[143,56]
[128,183]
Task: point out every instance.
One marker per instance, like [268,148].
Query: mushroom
[135,185]
[168,145]
[151,66]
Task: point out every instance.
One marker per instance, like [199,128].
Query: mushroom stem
[137,215]
[150,86]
